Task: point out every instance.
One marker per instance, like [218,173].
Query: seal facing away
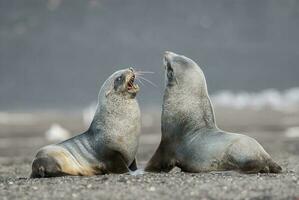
[190,138]
[111,142]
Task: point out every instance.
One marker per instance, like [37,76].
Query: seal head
[123,84]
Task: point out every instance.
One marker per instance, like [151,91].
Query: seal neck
[112,112]
[187,110]
[116,125]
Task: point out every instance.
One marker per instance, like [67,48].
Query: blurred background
[55,55]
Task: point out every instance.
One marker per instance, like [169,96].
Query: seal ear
[109,91]
[113,85]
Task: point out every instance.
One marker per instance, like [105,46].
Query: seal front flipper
[133,166]
[160,162]
[116,163]
[46,167]
[274,167]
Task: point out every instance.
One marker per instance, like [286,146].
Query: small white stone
[57,133]
[74,195]
[152,189]
[292,132]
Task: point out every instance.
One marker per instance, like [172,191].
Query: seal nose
[166,54]
[131,69]
[169,54]
[167,57]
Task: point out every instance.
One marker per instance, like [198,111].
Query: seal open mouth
[131,86]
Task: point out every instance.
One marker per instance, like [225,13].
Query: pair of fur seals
[190,138]
[111,142]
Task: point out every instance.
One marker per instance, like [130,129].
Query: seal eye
[119,78]
[118,82]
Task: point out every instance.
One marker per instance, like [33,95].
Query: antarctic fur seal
[109,145]
[190,138]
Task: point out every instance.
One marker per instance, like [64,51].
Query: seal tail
[274,167]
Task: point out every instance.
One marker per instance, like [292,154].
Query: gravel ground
[174,185]
[18,144]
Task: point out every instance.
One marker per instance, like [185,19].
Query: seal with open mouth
[191,139]
[111,142]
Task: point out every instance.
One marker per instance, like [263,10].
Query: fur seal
[190,138]
[109,145]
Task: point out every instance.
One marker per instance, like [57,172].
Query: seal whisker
[145,72]
[139,77]
[150,82]
[139,81]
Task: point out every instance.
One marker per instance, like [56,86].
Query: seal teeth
[131,82]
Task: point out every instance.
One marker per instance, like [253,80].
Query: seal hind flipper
[46,167]
[274,167]
[253,166]
[260,166]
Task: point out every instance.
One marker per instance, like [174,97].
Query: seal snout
[168,57]
[131,69]
[168,53]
